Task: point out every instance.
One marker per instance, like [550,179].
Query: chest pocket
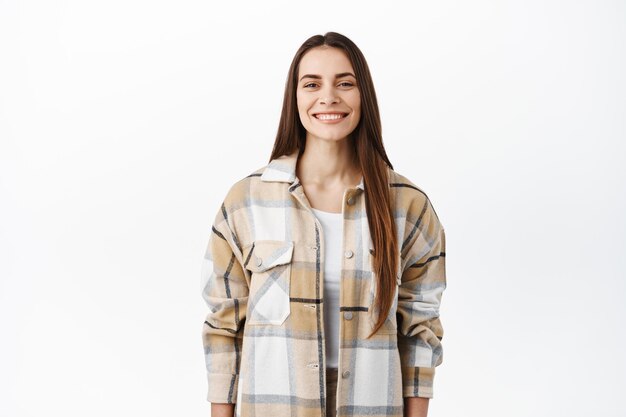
[269,261]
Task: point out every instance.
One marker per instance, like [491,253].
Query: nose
[327,100]
[328,96]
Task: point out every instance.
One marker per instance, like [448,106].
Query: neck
[328,162]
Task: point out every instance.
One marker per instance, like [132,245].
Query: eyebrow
[319,77]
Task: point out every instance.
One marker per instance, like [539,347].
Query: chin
[333,138]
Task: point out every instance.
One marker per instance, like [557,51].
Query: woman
[307,251]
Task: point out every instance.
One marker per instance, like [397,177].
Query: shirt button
[259,261]
[345,374]
[347,315]
[351,201]
[349,254]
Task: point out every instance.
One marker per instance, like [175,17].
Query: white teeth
[329,116]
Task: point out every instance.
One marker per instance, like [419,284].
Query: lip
[333,121]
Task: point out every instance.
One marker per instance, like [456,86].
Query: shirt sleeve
[225,291]
[423,281]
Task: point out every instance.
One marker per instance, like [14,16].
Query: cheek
[302,105]
[298,103]
[357,113]
[355,101]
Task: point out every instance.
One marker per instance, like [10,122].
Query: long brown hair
[370,153]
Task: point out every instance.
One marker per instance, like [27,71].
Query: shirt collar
[283,169]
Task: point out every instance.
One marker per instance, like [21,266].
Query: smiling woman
[332,98]
[325,268]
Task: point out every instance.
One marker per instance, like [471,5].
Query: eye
[343,83]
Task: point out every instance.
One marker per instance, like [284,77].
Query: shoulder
[403,186]
[238,193]
[410,198]
[232,212]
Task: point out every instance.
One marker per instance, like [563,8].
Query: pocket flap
[262,255]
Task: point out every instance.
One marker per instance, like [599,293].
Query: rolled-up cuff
[418,382]
[222,388]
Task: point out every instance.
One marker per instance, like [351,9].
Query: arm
[419,296]
[225,291]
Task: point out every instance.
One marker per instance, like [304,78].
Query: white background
[123,124]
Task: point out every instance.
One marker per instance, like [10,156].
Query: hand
[416,407]
[222,410]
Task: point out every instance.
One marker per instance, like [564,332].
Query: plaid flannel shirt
[262,279]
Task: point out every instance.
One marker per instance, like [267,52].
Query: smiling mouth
[330,116]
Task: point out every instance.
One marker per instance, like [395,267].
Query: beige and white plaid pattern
[262,279]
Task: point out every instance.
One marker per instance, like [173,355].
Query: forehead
[324,62]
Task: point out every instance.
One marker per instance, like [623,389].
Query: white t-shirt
[332,225]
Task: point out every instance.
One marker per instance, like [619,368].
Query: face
[329,102]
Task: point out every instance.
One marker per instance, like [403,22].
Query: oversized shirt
[262,279]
